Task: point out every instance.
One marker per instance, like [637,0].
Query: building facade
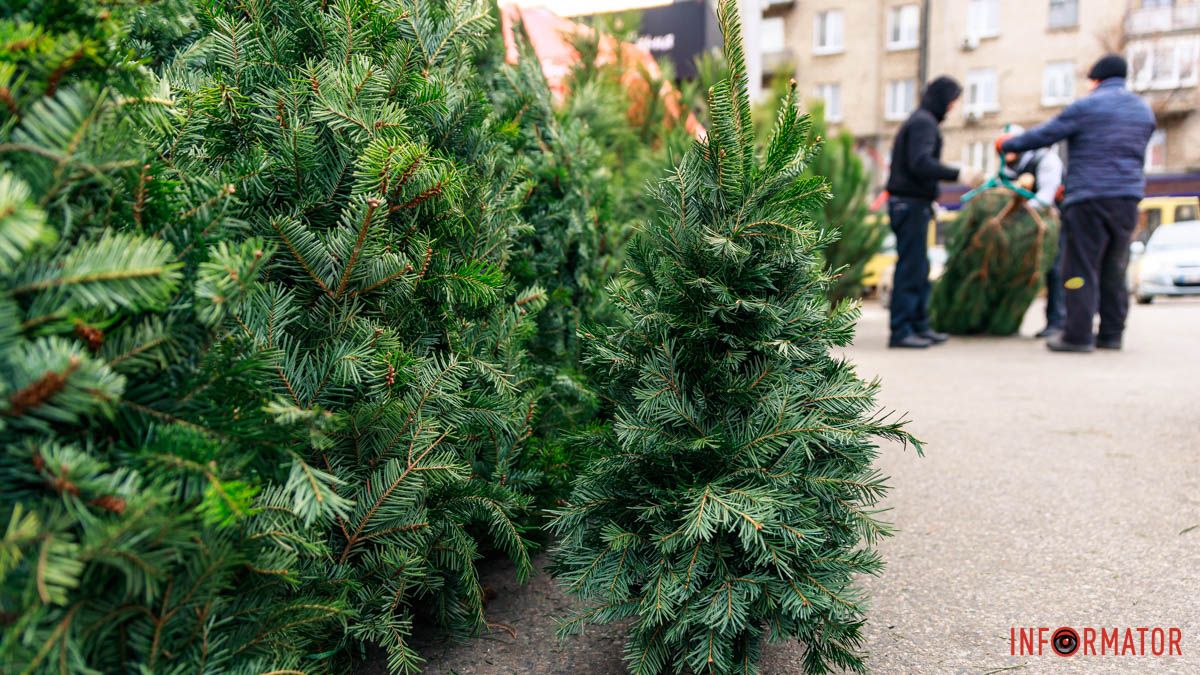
[1020,61]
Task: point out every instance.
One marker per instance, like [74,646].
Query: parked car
[1169,263]
[1154,212]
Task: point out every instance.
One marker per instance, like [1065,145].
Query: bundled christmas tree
[999,251]
[364,150]
[152,517]
[734,499]
[847,212]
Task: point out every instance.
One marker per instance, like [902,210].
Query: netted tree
[999,251]
[733,499]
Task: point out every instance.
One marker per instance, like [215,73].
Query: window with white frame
[771,35]
[904,26]
[830,94]
[1156,152]
[981,91]
[977,156]
[1064,13]
[1165,63]
[1058,83]
[983,18]
[827,32]
[899,99]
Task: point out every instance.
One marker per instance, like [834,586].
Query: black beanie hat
[939,94]
[1110,65]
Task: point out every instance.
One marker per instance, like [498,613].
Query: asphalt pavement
[1056,490]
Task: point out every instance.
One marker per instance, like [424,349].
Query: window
[1058,83]
[1064,13]
[981,91]
[904,24]
[979,156]
[899,99]
[831,95]
[1156,152]
[1185,212]
[827,32]
[983,18]
[1166,63]
[771,35]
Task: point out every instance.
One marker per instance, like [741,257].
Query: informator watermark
[1089,641]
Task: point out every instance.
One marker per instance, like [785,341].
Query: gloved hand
[1000,142]
[970,177]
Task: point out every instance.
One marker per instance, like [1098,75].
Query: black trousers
[1097,234]
[909,219]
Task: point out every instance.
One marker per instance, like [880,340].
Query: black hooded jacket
[917,150]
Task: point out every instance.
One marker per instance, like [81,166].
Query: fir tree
[847,211]
[999,251]
[364,151]
[143,495]
[734,498]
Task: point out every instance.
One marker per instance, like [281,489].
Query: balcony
[1151,20]
[778,61]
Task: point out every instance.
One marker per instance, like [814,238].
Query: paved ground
[1057,489]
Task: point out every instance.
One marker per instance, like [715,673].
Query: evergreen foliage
[999,251]
[847,212]
[363,151]
[733,499]
[566,250]
[146,491]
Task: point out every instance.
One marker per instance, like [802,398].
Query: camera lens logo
[1065,641]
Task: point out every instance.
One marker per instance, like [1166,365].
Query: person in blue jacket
[1106,133]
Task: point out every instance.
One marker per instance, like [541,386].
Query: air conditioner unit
[970,43]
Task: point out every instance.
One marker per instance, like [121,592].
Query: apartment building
[1020,61]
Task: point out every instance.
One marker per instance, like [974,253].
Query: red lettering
[1142,636]
[1174,635]
[1042,638]
[1157,639]
[1012,641]
[1108,641]
[1089,641]
[1027,641]
[1127,643]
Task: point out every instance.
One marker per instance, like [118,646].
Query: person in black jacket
[912,188]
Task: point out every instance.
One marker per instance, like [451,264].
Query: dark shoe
[912,341]
[1056,343]
[1048,331]
[934,337]
[1108,344]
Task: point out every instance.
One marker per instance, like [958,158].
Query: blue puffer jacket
[1106,132]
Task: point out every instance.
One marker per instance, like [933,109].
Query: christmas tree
[847,211]
[364,151]
[999,251]
[733,499]
[150,518]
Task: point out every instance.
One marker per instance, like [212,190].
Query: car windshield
[1175,237]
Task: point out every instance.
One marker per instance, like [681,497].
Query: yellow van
[1154,212]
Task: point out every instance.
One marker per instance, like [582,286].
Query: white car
[1169,264]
